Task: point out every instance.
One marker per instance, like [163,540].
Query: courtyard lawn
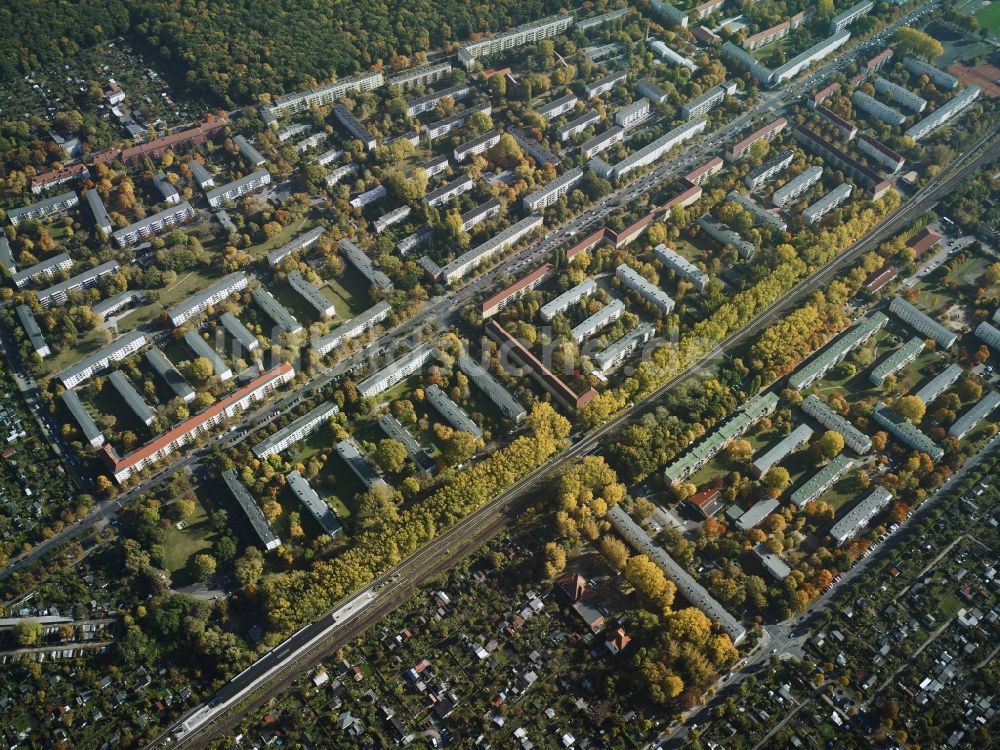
[180,544]
[989,17]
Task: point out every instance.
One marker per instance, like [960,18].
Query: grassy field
[989,17]
[179,545]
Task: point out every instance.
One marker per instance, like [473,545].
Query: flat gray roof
[251,510]
[316,506]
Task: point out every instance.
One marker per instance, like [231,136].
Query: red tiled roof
[758,134]
[555,384]
[880,278]
[923,241]
[58,174]
[713,163]
[191,423]
[517,286]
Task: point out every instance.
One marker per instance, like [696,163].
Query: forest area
[241,50]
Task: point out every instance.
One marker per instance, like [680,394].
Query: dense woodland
[240,49]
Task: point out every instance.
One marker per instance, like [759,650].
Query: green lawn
[180,545]
[989,17]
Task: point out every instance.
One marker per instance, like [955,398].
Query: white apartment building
[548,194]
[116,351]
[236,188]
[198,303]
[153,225]
[396,371]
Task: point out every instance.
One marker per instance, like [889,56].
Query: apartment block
[620,350]
[100,360]
[59,293]
[829,202]
[907,434]
[483,212]
[796,187]
[202,177]
[461,184]
[765,133]
[396,371]
[236,188]
[944,81]
[922,323]
[395,430]
[577,125]
[356,256]
[302,242]
[276,311]
[681,266]
[632,114]
[822,481]
[153,225]
[199,424]
[251,511]
[163,367]
[43,269]
[849,16]
[860,515]
[240,333]
[33,331]
[854,439]
[363,470]
[761,216]
[602,142]
[726,237]
[881,153]
[423,75]
[708,101]
[136,404]
[544,28]
[92,434]
[198,303]
[456,121]
[940,383]
[658,148]
[354,127]
[671,56]
[513,352]
[452,412]
[837,351]
[976,414]
[248,152]
[295,431]
[878,110]
[202,348]
[795,440]
[847,129]
[637,283]
[472,259]
[312,295]
[945,112]
[548,194]
[870,179]
[770,169]
[47,207]
[567,299]
[390,219]
[476,145]
[599,320]
[515,291]
[495,392]
[352,328]
[603,85]
[322,96]
[101,219]
[902,97]
[557,107]
[42,182]
[896,361]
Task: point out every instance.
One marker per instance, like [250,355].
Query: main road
[353,616]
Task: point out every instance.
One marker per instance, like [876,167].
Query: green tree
[202,566]
[910,41]
[912,408]
[390,455]
[829,445]
[28,633]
